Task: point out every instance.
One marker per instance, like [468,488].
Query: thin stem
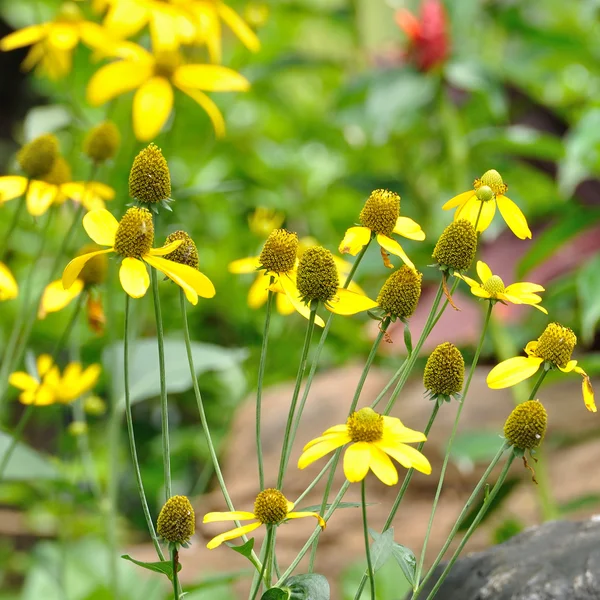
[83,445]
[16,437]
[21,202]
[175,563]
[478,215]
[132,447]
[259,388]
[64,338]
[164,406]
[287,441]
[451,440]
[266,559]
[314,482]
[538,383]
[472,528]
[462,515]
[367,544]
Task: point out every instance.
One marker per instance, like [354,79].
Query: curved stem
[132,447]
[367,545]
[538,383]
[451,440]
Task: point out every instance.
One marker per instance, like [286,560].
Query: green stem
[64,338]
[461,516]
[472,528]
[132,447]
[287,441]
[314,482]
[21,202]
[451,440]
[175,563]
[538,383]
[164,406]
[265,561]
[259,388]
[370,570]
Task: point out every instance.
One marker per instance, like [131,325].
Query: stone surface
[559,560]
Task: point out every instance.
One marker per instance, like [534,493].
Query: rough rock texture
[559,560]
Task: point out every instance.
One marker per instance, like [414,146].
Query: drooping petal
[12,186]
[23,381]
[72,270]
[302,514]
[357,459]
[86,380]
[184,276]
[458,200]
[259,290]
[403,435]
[166,249]
[244,265]
[152,105]
[40,197]
[210,78]
[483,271]
[409,229]
[101,226]
[294,297]
[8,284]
[134,277]
[163,30]
[55,297]
[43,364]
[346,302]
[209,107]
[232,534]
[234,515]
[354,240]
[393,247]
[117,78]
[327,437]
[587,390]
[514,218]
[317,451]
[239,27]
[284,306]
[407,456]
[383,467]
[488,210]
[23,37]
[512,371]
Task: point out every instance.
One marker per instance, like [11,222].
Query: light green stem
[264,574]
[451,440]
[367,544]
[538,383]
[175,580]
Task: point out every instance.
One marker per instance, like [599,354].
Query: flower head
[444,372]
[263,220]
[271,507]
[492,288]
[132,238]
[373,439]
[102,142]
[176,521]
[456,247]
[526,425]
[478,205]
[400,293]
[380,217]
[187,253]
[37,157]
[553,349]
[278,255]
[149,178]
[8,285]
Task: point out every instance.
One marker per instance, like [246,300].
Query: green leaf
[25,463]
[588,292]
[163,566]
[244,549]
[472,447]
[276,594]
[311,586]
[382,547]
[407,560]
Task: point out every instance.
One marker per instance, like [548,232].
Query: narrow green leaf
[382,547]
[164,566]
[244,549]
[407,560]
[588,291]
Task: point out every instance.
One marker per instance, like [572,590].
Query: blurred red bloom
[429,43]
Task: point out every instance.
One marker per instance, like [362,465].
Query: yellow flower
[373,439]
[492,288]
[52,44]
[8,286]
[380,217]
[154,75]
[552,349]
[49,387]
[488,192]
[132,238]
[263,220]
[271,507]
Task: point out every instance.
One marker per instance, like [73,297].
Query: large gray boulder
[559,560]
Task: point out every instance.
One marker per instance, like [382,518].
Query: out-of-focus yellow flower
[52,44]
[50,387]
[8,285]
[263,220]
[479,205]
[492,288]
[154,75]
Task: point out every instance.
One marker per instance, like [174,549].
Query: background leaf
[311,586]
[381,548]
[25,463]
[588,292]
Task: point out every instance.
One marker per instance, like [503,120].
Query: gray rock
[559,560]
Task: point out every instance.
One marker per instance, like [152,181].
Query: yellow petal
[404,435]
[23,381]
[101,226]
[346,302]
[152,105]
[210,78]
[234,515]
[524,287]
[393,247]
[483,271]
[588,393]
[209,107]
[43,396]
[163,30]
[95,36]
[284,306]
[72,270]
[514,218]
[317,451]
[244,265]
[302,515]
[184,276]
[328,436]
[87,379]
[125,19]
[8,285]
[63,36]
[293,295]
[354,240]
[258,292]
[383,467]
[12,186]
[40,197]
[166,249]
[230,535]
[488,210]
[458,200]
[23,37]
[409,229]
[356,461]
[134,277]
[115,79]
[512,371]
[407,456]
[531,347]
[55,297]
[239,27]
[44,364]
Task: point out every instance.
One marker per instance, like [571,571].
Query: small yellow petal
[115,79]
[407,456]
[239,27]
[8,284]
[55,297]
[355,240]
[166,249]
[346,302]
[382,466]
[244,265]
[357,459]
[101,226]
[314,452]
[393,247]
[23,37]
[12,186]
[210,78]
[72,270]
[40,197]
[209,107]
[513,371]
[134,277]
[483,271]
[409,229]
[152,105]
[514,218]
[458,200]
[183,275]
[23,381]
[259,290]
[302,515]
[235,515]
[230,535]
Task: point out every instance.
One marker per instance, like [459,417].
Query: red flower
[429,44]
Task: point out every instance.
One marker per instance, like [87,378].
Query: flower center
[494,286]
[484,193]
[166,63]
[493,180]
[59,173]
[457,246]
[445,371]
[381,211]
[176,522]
[556,344]
[135,234]
[270,506]
[365,425]
[279,252]
[400,293]
[149,178]
[317,277]
[526,425]
[187,253]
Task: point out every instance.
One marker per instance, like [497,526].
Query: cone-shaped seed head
[381,211]
[149,179]
[457,246]
[317,277]
[445,370]
[37,157]
[279,252]
[556,344]
[270,506]
[135,234]
[526,425]
[176,521]
[400,293]
[102,142]
[186,253]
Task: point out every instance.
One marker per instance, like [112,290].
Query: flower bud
[457,246]
[381,211]
[176,521]
[149,179]
[102,142]
[317,277]
[400,293]
[526,425]
[445,371]
[37,157]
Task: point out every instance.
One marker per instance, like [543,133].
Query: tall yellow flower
[153,76]
[271,507]
[487,193]
[551,350]
[492,288]
[53,43]
[8,285]
[132,238]
[373,438]
[50,387]
[380,217]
